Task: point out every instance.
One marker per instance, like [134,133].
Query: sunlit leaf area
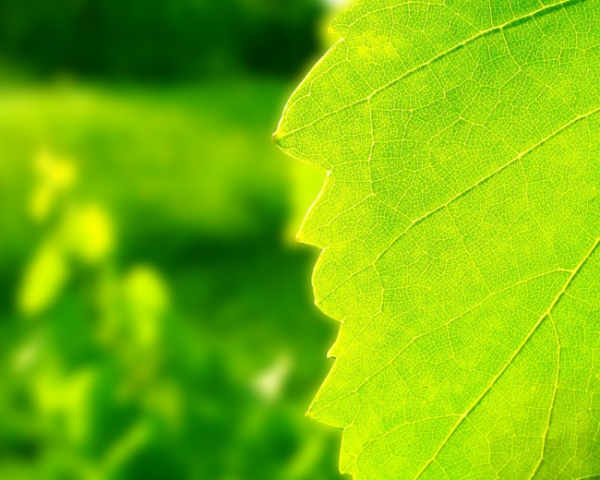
[156,316]
[459,224]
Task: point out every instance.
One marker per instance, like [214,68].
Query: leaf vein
[483,33]
[545,315]
[419,220]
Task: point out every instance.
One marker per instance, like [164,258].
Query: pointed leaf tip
[276,137]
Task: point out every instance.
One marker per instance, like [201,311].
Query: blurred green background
[156,318]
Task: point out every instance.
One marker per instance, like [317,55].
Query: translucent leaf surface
[460,223]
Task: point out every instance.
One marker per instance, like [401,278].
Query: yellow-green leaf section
[460,223]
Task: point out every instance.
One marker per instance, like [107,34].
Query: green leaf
[460,223]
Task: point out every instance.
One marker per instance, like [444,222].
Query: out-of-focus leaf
[43,280]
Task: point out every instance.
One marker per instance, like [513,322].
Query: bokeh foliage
[161,327]
[159,40]
[155,317]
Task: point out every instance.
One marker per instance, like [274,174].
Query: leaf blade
[458,186]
